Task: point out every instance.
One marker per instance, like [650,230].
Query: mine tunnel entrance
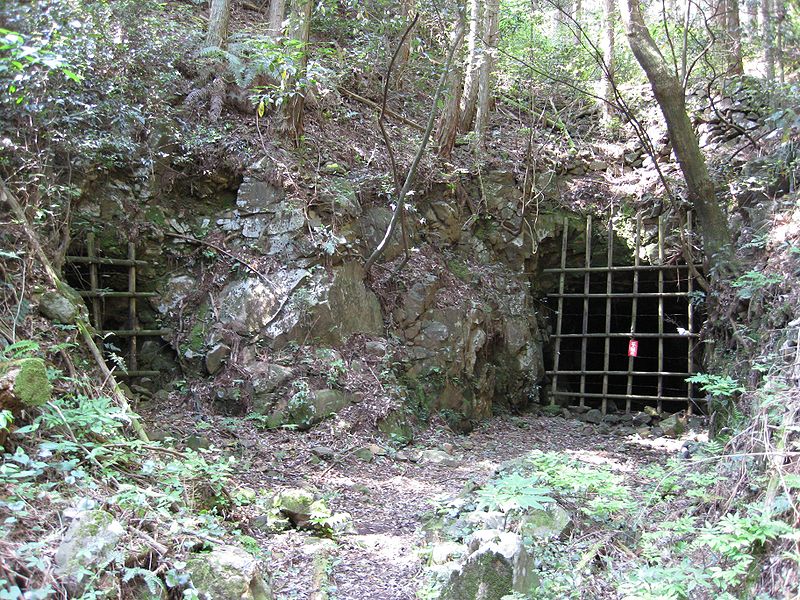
[111,287]
[625,335]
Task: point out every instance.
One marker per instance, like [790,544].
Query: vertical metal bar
[634,308]
[560,314]
[690,322]
[660,312]
[133,362]
[586,280]
[94,285]
[609,285]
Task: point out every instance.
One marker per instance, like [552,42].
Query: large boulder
[263,384]
[329,308]
[248,305]
[497,565]
[227,573]
[305,410]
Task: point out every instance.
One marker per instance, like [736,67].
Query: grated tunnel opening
[127,332]
[625,335]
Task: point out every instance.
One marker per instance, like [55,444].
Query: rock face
[458,323]
[227,573]
[497,565]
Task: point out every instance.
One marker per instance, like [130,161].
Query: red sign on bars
[633,348]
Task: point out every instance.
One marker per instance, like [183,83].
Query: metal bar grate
[651,371]
[96,294]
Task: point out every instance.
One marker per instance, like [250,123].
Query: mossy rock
[397,425]
[89,544]
[28,382]
[227,573]
[64,305]
[296,504]
[547,523]
[307,409]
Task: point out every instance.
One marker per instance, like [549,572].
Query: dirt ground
[387,496]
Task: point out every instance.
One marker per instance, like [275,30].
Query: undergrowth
[75,454]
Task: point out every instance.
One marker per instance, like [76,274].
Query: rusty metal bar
[107,294]
[624,295]
[680,398]
[114,262]
[660,309]
[136,332]
[689,323]
[634,307]
[627,335]
[609,287]
[97,314]
[587,259]
[138,374]
[622,268]
[133,359]
[621,373]
[559,317]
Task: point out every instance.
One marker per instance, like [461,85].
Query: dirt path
[387,498]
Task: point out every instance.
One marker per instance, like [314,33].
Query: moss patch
[31,386]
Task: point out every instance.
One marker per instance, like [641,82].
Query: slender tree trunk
[750,20]
[669,94]
[277,13]
[217,36]
[218,20]
[406,7]
[448,122]
[780,31]
[299,30]
[733,27]
[767,31]
[563,26]
[578,16]
[491,34]
[469,97]
[608,59]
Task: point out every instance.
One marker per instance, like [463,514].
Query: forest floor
[388,497]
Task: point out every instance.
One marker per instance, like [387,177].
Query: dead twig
[376,106]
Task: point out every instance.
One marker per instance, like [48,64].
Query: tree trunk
[608,59]
[469,97]
[733,27]
[578,16]
[217,37]
[767,31]
[448,122]
[669,94]
[277,12]
[218,20]
[780,32]
[564,30]
[751,17]
[404,53]
[491,34]
[299,29]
